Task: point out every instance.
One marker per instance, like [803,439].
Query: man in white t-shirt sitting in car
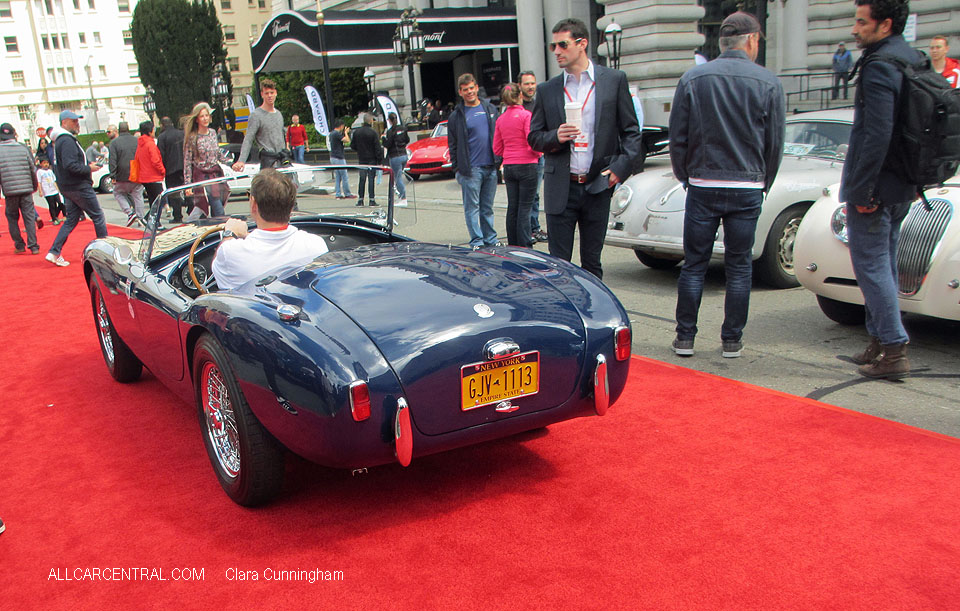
[273,243]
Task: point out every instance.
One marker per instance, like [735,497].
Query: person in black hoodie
[170,144]
[395,140]
[75,179]
[367,145]
[877,197]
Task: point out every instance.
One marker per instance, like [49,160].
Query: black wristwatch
[228,234]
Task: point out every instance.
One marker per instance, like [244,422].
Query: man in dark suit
[582,162]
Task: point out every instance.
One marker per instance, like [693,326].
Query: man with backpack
[878,197]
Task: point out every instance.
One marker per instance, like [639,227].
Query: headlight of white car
[838,223]
[620,200]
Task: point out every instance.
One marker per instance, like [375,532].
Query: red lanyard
[570,97]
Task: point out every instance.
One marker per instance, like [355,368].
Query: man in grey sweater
[265,127]
[18,181]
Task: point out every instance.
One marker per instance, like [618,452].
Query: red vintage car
[429,155]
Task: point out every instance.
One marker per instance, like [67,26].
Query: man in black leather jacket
[877,198]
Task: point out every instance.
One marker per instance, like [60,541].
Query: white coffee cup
[572,112]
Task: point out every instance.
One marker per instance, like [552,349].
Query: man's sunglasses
[563,44]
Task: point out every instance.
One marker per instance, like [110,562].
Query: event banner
[389,106]
[250,104]
[316,105]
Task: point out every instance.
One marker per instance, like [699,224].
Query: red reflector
[622,341]
[403,433]
[359,401]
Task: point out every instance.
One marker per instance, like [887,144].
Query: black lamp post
[219,92]
[613,34]
[149,105]
[408,47]
[369,76]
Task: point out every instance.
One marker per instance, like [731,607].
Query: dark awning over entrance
[291,40]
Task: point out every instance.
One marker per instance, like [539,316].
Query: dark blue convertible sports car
[380,350]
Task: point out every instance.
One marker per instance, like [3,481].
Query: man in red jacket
[297,139]
[947,66]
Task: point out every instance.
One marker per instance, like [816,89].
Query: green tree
[349,92]
[177,43]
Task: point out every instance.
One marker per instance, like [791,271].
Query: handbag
[134,170]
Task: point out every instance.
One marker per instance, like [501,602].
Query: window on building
[11,43]
[51,76]
[71,75]
[24,111]
[66,41]
[55,40]
[96,38]
[230,33]
[103,72]
[61,75]
[76,5]
[252,3]
[48,5]
[234,64]
[91,5]
[17,77]
[225,5]
[128,38]
[46,42]
[254,30]
[83,38]
[133,70]
[262,4]
[5,11]
[123,6]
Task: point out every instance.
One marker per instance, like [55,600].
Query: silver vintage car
[646,212]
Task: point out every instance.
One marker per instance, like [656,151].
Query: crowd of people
[726,138]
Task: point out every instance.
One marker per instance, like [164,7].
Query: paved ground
[789,344]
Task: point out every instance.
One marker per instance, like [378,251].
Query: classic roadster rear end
[381,350]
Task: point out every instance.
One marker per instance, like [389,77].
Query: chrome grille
[920,235]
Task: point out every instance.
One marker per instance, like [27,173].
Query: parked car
[379,351]
[429,155]
[928,257]
[646,212]
[102,181]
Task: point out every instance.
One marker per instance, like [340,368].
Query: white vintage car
[928,257]
[646,212]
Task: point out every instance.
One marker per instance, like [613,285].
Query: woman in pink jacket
[151,170]
[519,164]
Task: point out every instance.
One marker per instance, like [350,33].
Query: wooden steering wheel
[193,250]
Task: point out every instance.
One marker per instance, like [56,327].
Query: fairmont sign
[279,29]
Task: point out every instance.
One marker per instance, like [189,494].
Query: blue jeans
[77,202]
[873,251]
[298,153]
[521,182]
[535,209]
[738,210]
[341,184]
[478,191]
[396,164]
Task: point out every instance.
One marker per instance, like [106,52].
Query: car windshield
[439,131]
[817,138]
[315,196]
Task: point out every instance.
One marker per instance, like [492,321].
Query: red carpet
[693,492]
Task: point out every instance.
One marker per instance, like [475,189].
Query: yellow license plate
[494,381]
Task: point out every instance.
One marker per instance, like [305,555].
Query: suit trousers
[590,212]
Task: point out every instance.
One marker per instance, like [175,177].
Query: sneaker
[34,251]
[683,347]
[132,218]
[402,203]
[540,236]
[57,260]
[39,223]
[20,250]
[359,202]
[2,527]
[731,348]
[56,221]
[373,203]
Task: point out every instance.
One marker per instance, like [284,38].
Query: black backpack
[927,139]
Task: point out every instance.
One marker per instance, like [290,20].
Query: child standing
[48,188]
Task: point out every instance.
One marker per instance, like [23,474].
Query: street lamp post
[219,92]
[149,105]
[370,77]
[93,100]
[408,47]
[613,34]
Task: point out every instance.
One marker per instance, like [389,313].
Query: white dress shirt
[242,260]
[582,90]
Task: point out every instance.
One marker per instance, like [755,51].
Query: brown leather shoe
[892,364]
[870,353]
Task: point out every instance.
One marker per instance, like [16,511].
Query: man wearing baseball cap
[75,179]
[18,181]
[726,142]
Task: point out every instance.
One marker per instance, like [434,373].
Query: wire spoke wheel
[220,419]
